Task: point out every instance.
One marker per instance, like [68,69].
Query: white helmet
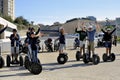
[108,29]
[90,27]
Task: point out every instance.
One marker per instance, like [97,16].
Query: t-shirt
[91,35]
[62,39]
[33,43]
[82,34]
[107,37]
[13,39]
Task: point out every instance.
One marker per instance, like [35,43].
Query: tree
[18,20]
[22,21]
[8,18]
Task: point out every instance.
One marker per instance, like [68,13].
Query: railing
[5,43]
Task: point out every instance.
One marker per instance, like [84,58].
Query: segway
[1,60]
[111,57]
[78,54]
[9,61]
[62,58]
[87,57]
[33,67]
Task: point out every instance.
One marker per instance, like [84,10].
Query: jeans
[34,56]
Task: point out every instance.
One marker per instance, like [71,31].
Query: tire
[1,62]
[105,57]
[36,68]
[62,59]
[21,60]
[112,57]
[26,62]
[85,59]
[78,55]
[96,59]
[8,60]
[39,61]
[66,57]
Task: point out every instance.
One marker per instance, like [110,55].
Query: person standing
[108,39]
[15,38]
[82,38]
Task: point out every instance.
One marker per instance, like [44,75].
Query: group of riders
[88,33]
[32,43]
[32,40]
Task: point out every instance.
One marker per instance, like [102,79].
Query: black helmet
[14,30]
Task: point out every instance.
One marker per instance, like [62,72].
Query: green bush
[118,39]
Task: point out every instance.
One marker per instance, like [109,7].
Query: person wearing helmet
[32,46]
[82,37]
[91,33]
[108,39]
[15,38]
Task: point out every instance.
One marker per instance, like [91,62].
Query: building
[118,26]
[92,18]
[70,25]
[7,8]
[8,31]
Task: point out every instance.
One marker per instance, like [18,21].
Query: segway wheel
[1,62]
[112,57]
[26,63]
[62,59]
[96,59]
[85,58]
[66,57]
[36,68]
[105,57]
[8,61]
[20,48]
[39,61]
[78,55]
[21,60]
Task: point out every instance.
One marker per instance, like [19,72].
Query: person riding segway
[108,56]
[15,38]
[62,58]
[82,40]
[87,57]
[32,63]
[1,58]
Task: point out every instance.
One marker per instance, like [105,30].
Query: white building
[8,31]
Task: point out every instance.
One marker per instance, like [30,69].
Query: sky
[49,11]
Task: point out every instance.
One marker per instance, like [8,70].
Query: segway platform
[110,58]
[9,61]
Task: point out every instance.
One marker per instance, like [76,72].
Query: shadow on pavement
[12,68]
[17,74]
[56,66]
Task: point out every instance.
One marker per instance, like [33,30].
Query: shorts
[82,43]
[108,44]
[13,51]
[62,46]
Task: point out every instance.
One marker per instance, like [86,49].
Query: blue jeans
[34,56]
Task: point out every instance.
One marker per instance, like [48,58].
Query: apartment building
[7,8]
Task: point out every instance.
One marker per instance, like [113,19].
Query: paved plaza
[72,70]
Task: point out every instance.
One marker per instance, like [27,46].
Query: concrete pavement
[72,70]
